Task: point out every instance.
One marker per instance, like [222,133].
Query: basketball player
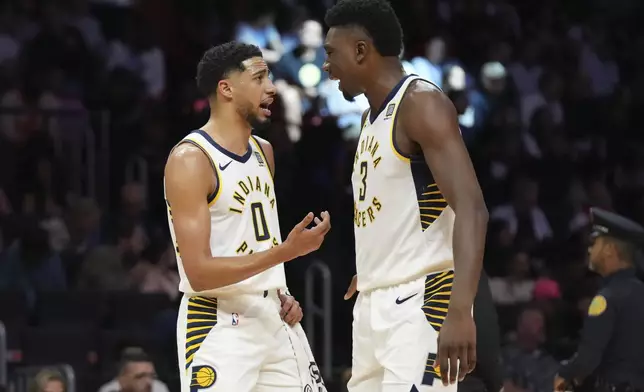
[420,218]
[223,218]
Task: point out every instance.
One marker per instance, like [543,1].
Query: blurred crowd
[94,94]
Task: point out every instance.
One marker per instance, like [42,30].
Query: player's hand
[303,241]
[559,384]
[353,288]
[456,346]
[291,311]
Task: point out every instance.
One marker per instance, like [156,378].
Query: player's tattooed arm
[429,120]
[189,179]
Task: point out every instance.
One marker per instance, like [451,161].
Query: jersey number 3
[363,188]
[259,222]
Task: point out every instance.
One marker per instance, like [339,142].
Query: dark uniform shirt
[488,374]
[612,340]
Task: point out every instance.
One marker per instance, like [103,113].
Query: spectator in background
[430,66]
[527,368]
[136,373]
[518,286]
[48,380]
[157,272]
[30,265]
[108,267]
[527,221]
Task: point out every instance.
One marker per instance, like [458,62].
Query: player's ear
[361,51]
[225,88]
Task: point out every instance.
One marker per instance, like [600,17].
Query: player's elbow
[475,211]
[198,277]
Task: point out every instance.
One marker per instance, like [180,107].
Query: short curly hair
[218,61]
[376,17]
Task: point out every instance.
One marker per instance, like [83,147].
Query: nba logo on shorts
[235,319]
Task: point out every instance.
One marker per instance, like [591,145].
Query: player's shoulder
[263,143]
[187,158]
[425,99]
[421,91]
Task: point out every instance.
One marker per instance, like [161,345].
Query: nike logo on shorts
[399,301]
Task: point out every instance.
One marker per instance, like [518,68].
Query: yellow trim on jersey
[212,199]
[261,151]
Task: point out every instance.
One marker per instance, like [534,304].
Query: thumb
[305,222]
[351,290]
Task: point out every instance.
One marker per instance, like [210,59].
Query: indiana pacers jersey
[243,213]
[403,225]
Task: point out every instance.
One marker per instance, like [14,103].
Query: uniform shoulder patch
[597,306]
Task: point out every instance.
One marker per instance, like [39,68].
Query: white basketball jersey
[403,225]
[243,214]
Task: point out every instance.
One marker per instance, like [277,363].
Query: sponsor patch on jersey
[597,306]
[235,319]
[390,110]
[260,160]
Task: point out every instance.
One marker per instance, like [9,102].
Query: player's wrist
[285,251]
[460,309]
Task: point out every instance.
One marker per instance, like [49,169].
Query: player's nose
[270,88]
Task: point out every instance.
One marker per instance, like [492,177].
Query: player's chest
[241,191]
[374,159]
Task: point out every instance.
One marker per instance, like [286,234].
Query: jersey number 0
[259,222]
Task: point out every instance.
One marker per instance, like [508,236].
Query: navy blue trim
[239,158]
[374,115]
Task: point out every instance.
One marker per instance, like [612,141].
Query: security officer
[610,354]
[488,374]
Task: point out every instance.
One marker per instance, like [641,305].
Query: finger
[283,297]
[305,222]
[300,316]
[287,306]
[463,363]
[443,363]
[471,352]
[292,316]
[317,220]
[352,288]
[453,365]
[324,226]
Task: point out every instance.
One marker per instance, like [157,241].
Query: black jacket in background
[488,374]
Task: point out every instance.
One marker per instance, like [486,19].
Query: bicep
[186,193]
[598,326]
[434,127]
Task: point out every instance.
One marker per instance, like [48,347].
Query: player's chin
[348,95]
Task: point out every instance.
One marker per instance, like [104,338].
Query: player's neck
[387,78]
[230,132]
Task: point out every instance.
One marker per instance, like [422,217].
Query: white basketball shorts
[241,344]
[395,332]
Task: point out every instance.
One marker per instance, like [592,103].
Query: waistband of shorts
[263,294]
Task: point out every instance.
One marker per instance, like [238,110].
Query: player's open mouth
[264,107]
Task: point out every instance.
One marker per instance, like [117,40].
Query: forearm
[582,365]
[470,228]
[210,273]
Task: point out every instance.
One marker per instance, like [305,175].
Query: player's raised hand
[353,288]
[304,241]
[456,347]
